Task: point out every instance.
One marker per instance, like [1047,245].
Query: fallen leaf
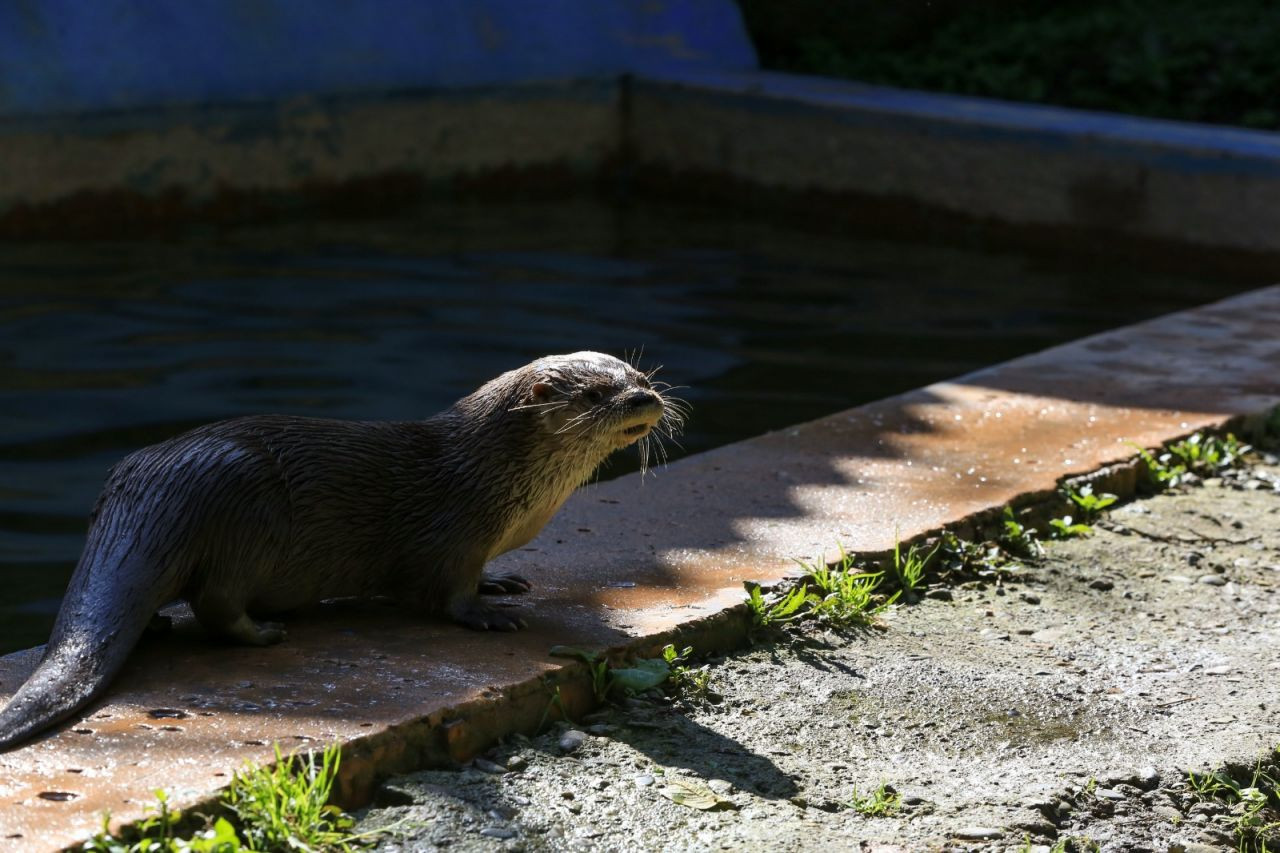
[694,795]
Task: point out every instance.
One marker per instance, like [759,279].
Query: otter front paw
[482,617]
[503,585]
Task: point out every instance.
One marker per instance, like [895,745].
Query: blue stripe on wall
[61,56]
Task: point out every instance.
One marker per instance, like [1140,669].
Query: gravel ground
[1067,701]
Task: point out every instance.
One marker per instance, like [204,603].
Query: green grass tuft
[909,568]
[881,802]
[281,807]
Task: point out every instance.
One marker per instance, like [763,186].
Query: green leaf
[585,655]
[642,675]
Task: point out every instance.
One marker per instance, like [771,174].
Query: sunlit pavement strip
[628,559]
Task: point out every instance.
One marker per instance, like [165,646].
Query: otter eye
[593,395]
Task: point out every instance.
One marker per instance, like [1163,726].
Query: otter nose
[641,398]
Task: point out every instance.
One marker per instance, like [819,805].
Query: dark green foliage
[1179,59]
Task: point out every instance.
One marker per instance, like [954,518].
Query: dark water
[108,347]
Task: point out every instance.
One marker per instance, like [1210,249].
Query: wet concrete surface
[628,559]
[1062,699]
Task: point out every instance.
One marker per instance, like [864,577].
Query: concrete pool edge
[836,144]
[1032,167]
[603,584]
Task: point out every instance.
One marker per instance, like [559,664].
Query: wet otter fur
[261,515]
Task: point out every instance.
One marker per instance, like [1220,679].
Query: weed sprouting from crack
[638,675]
[840,595]
[1019,539]
[690,682]
[1068,528]
[1253,798]
[1199,455]
[1090,504]
[880,802]
[909,568]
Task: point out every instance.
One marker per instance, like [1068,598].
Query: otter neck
[490,443]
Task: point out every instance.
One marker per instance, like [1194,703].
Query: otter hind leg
[503,585]
[229,620]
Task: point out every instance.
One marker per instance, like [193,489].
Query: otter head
[590,396]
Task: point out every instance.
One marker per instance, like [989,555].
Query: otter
[264,514]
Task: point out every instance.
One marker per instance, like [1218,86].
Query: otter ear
[540,392]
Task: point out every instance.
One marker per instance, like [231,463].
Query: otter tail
[112,595]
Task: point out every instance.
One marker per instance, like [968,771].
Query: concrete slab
[627,561]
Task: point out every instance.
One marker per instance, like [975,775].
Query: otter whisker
[659,435]
[670,436]
[677,409]
[549,406]
[673,418]
[579,420]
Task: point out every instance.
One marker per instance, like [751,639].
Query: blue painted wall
[67,56]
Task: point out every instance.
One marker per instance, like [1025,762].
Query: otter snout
[641,410]
[641,399]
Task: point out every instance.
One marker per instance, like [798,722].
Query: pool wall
[140,123]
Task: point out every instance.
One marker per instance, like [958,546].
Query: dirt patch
[1067,700]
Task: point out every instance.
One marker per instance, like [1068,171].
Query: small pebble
[644,780]
[1212,580]
[1029,598]
[486,766]
[572,740]
[503,832]
[1197,847]
[978,833]
[1102,584]
[517,762]
[720,786]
